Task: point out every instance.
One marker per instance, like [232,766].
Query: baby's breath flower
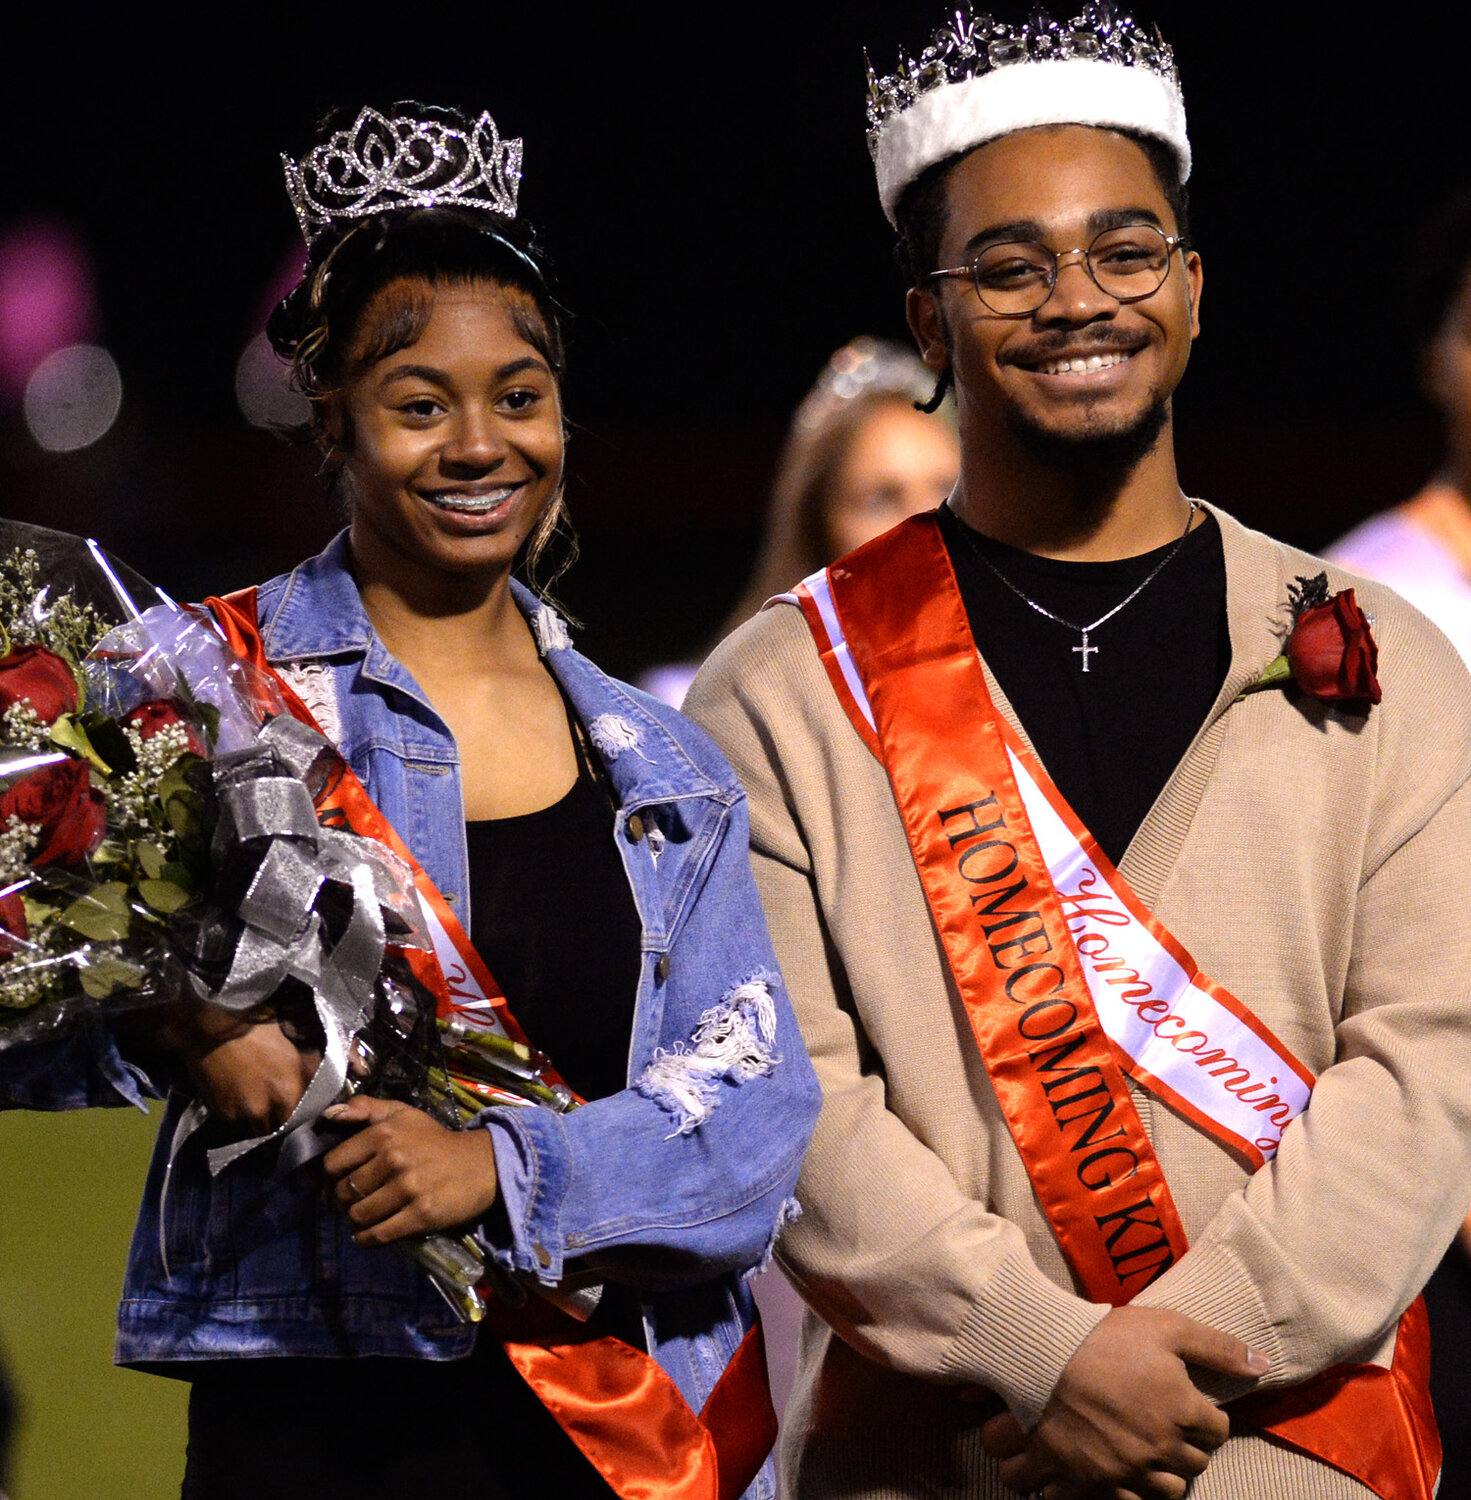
[30,615]
[132,799]
[16,839]
[20,726]
[23,984]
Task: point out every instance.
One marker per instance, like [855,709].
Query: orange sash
[905,634]
[616,1403]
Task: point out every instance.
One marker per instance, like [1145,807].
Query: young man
[1015,795]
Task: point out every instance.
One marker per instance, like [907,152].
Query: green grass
[69,1188]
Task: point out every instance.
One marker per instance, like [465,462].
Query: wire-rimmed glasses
[1016,277]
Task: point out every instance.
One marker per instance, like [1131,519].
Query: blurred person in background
[1422,548]
[596,844]
[858,459]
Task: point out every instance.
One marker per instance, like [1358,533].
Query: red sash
[903,632]
[616,1403]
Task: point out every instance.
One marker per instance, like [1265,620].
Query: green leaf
[182,811]
[102,914]
[37,911]
[211,716]
[163,895]
[111,895]
[180,874]
[173,781]
[152,859]
[67,732]
[180,796]
[109,741]
[106,975]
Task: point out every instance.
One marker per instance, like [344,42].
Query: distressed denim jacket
[676,1184]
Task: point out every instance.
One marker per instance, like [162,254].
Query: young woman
[592,843]
[858,459]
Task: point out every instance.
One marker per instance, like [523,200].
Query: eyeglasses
[1015,278]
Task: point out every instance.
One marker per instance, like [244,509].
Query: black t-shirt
[1109,737]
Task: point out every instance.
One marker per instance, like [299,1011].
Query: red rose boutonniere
[1330,652]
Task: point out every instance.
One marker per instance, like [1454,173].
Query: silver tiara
[380,164]
[865,367]
[975,43]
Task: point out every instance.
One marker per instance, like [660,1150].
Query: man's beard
[1101,456]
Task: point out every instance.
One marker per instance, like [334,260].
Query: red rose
[41,677]
[1332,651]
[61,801]
[159,713]
[12,923]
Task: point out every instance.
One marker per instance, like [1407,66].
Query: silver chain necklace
[1085,650]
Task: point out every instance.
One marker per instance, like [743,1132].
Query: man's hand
[243,1067]
[1125,1419]
[405,1174]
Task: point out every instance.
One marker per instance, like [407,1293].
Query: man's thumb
[1214,1350]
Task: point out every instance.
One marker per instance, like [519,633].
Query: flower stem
[1277,671]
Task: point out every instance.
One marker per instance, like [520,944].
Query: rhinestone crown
[380,164]
[975,43]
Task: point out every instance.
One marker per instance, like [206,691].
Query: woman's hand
[244,1068]
[405,1174]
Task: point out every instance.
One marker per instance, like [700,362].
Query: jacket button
[635,827]
[543,1256]
[661,969]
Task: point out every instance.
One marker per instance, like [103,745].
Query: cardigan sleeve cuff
[1018,1339]
[1211,1285]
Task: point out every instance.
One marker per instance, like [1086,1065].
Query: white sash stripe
[464,989]
[822,596]
[1147,1002]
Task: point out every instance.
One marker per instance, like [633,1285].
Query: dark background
[701,179]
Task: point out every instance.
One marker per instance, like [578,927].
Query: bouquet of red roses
[159,840]
[100,832]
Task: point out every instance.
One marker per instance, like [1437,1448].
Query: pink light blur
[47,298]
[287,274]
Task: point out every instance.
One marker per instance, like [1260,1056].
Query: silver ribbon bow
[268,826]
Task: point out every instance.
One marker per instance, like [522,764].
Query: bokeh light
[47,298]
[73,398]
[262,387]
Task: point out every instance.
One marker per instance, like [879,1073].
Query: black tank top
[552,915]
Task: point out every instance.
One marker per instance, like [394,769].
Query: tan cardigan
[1312,860]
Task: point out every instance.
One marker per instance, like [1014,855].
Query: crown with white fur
[380,164]
[980,79]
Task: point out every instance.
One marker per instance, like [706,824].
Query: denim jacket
[675,1185]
